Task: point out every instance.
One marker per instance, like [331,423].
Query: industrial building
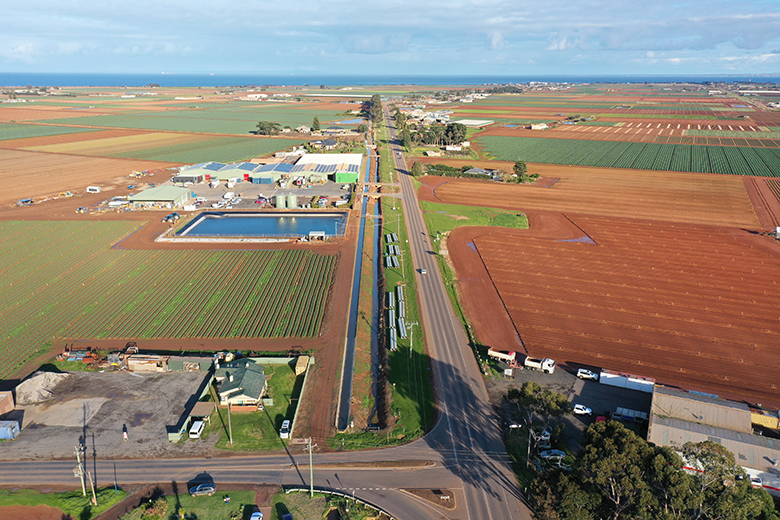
[314,167]
[677,417]
[162,196]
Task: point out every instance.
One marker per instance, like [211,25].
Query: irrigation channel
[345,399]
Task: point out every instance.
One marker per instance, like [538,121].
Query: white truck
[546,365]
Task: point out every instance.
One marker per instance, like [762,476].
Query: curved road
[464,451]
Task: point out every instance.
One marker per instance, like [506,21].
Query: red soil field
[690,305]
[28,142]
[664,196]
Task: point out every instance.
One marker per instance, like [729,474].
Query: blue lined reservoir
[264,225]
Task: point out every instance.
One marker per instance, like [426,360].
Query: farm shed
[185,179]
[677,417]
[270,173]
[241,382]
[300,365]
[6,402]
[147,363]
[207,169]
[202,410]
[165,196]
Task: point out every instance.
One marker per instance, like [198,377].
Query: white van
[197,429]
[93,189]
[284,431]
[229,195]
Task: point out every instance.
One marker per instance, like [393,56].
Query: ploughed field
[689,305]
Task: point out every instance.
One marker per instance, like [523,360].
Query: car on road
[552,454]
[584,373]
[207,488]
[582,410]
[284,431]
[423,271]
[257,515]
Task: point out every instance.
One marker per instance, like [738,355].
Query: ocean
[9,79]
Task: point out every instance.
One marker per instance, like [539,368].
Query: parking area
[596,396]
[249,193]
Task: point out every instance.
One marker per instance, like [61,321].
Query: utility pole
[410,326]
[92,485]
[230,426]
[79,471]
[310,448]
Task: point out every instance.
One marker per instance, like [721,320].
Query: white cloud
[497,41]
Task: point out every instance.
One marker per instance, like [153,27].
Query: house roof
[161,193]
[248,378]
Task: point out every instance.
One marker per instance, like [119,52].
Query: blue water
[314,79]
[246,225]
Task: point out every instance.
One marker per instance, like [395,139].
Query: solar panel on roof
[246,166]
[283,167]
[214,166]
[265,168]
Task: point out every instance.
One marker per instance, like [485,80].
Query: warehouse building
[340,167]
[271,173]
[162,197]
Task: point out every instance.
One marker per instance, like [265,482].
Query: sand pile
[38,388]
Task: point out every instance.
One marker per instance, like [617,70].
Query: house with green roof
[241,383]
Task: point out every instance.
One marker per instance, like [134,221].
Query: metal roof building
[343,167]
[165,196]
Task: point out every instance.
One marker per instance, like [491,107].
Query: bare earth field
[667,196]
[689,305]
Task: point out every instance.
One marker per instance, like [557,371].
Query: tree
[406,139]
[417,170]
[533,401]
[268,128]
[375,109]
[315,124]
[322,87]
[520,169]
[455,133]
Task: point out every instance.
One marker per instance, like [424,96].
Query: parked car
[552,454]
[542,435]
[257,515]
[582,410]
[207,488]
[284,431]
[583,373]
[756,482]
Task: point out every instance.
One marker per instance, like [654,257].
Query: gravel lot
[598,397]
[94,407]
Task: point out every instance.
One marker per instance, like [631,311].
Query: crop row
[80,288]
[736,160]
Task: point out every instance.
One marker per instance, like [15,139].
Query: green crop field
[736,160]
[19,131]
[234,119]
[733,133]
[62,280]
[220,149]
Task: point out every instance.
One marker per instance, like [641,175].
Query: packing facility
[342,168]
[162,196]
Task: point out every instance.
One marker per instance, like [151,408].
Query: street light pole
[310,449]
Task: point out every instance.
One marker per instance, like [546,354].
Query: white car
[257,515]
[756,482]
[582,410]
[583,373]
[423,271]
[284,431]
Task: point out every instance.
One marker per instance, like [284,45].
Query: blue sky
[506,37]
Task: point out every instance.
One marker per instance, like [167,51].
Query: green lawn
[441,218]
[257,431]
[241,505]
[71,503]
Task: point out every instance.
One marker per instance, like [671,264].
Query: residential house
[241,382]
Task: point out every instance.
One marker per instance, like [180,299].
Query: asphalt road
[465,451]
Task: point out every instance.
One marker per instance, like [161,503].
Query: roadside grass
[71,503]
[386,164]
[259,431]
[301,505]
[516,443]
[442,218]
[241,505]
[412,406]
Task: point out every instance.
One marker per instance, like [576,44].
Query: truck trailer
[546,365]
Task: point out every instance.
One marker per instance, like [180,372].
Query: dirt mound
[38,388]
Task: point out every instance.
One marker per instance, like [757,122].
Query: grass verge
[182,505]
[71,503]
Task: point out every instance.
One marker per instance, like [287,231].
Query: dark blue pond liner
[256,225]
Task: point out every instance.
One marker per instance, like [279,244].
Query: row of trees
[435,134]
[618,475]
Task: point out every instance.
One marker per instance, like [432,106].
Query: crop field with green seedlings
[62,280]
[20,131]
[732,160]
[238,120]
[220,149]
